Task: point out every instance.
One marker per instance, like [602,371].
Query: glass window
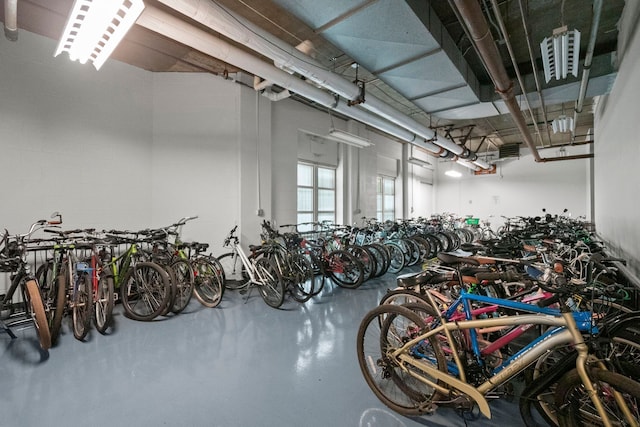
[316,194]
[305,175]
[326,178]
[385,198]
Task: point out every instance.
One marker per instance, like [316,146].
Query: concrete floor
[241,364]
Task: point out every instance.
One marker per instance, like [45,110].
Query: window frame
[315,212]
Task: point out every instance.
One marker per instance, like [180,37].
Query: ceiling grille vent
[509,150]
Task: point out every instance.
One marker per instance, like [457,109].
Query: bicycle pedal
[242,291]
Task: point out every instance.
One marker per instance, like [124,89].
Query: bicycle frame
[566,330]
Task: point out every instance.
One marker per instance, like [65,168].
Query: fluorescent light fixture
[453,173]
[349,138]
[561,54]
[418,162]
[562,124]
[96,27]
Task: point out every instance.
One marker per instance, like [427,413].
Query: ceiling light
[453,173]
[418,162]
[561,53]
[349,138]
[95,27]
[562,124]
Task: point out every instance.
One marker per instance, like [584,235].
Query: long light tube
[96,27]
[349,138]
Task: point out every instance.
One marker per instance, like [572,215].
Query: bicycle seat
[410,280]
[448,258]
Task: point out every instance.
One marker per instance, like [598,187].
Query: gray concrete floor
[241,364]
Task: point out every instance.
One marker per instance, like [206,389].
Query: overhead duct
[473,18]
[287,57]
[11,19]
[170,26]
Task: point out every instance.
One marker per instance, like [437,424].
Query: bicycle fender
[462,386]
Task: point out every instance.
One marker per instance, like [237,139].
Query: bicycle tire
[36,309]
[235,276]
[145,291]
[392,384]
[271,287]
[54,294]
[345,269]
[184,275]
[302,289]
[574,405]
[319,275]
[209,281]
[81,310]
[366,258]
[396,257]
[382,258]
[55,318]
[104,301]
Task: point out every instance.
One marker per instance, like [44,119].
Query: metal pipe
[474,20]
[574,157]
[505,36]
[588,57]
[175,28]
[242,31]
[11,19]
[527,36]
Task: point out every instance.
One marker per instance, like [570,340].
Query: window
[316,194]
[386,194]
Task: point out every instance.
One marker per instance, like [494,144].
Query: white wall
[617,151]
[72,139]
[519,187]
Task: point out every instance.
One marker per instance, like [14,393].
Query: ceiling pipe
[175,28]
[588,57]
[475,22]
[505,36]
[287,57]
[527,36]
[264,88]
[11,19]
[573,157]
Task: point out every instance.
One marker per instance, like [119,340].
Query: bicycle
[144,286]
[414,362]
[13,260]
[243,272]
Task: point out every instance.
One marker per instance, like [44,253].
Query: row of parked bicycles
[82,273]
[541,305]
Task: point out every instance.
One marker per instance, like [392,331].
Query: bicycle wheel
[54,294]
[184,275]
[35,307]
[145,291]
[392,383]
[366,259]
[81,308]
[575,407]
[104,301]
[209,281]
[381,256]
[345,269]
[270,283]
[396,256]
[235,276]
[319,275]
[303,278]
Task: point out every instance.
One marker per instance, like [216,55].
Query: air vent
[509,150]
